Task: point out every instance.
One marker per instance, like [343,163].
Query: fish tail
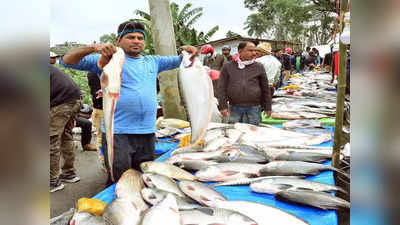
[341,172]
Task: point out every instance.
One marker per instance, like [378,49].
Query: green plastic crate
[324,121]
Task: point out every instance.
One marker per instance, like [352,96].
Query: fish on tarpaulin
[198,94]
[110,81]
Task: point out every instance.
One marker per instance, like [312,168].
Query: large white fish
[198,94]
[110,81]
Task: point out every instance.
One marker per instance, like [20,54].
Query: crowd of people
[243,84]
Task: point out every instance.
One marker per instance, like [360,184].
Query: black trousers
[86,127]
[129,151]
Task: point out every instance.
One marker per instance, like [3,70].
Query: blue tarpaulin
[309,214]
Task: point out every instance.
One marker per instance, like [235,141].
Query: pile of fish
[313,99]
[173,192]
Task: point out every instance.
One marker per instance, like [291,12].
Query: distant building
[233,42]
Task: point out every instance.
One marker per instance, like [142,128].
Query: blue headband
[131,31]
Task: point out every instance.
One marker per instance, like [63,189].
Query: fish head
[152,195]
[207,173]
[239,219]
[145,166]
[147,179]
[111,77]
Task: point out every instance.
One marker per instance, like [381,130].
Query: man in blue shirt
[135,112]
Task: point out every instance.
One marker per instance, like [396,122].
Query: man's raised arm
[76,55]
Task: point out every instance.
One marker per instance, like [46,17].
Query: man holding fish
[128,81]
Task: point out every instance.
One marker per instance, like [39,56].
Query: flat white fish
[198,94]
[110,81]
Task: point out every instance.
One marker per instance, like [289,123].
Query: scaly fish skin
[129,186]
[166,169]
[200,192]
[165,212]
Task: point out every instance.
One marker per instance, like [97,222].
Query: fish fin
[229,172]
[104,80]
[204,199]
[206,210]
[284,186]
[303,189]
[191,188]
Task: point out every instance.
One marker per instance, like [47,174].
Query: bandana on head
[120,35]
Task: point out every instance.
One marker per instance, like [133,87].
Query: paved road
[92,181]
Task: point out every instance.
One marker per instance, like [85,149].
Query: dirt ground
[92,181]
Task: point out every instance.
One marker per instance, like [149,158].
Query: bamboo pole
[164,44]
[341,88]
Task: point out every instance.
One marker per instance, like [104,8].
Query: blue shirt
[136,110]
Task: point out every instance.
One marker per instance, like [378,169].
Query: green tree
[183,21]
[108,38]
[293,20]
[230,34]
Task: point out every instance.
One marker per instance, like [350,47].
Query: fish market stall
[309,214]
[306,96]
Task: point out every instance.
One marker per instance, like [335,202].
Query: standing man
[271,65]
[214,61]
[97,115]
[65,104]
[244,85]
[226,51]
[135,112]
[298,62]
[306,54]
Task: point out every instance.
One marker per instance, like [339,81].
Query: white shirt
[272,68]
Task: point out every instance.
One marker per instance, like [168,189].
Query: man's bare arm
[76,55]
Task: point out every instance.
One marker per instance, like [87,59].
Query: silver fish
[312,198]
[198,94]
[304,156]
[219,155]
[64,218]
[162,182]
[165,212]
[194,165]
[200,192]
[216,143]
[154,196]
[121,212]
[207,216]
[166,169]
[129,186]
[110,81]
[274,185]
[188,149]
[294,168]
[228,171]
[246,181]
[86,218]
[262,214]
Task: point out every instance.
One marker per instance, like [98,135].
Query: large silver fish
[222,155]
[198,94]
[165,212]
[228,171]
[162,182]
[64,218]
[110,81]
[86,218]
[121,212]
[274,185]
[129,186]
[208,216]
[200,192]
[155,196]
[294,168]
[166,169]
[262,214]
[312,198]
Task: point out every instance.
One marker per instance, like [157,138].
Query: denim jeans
[253,114]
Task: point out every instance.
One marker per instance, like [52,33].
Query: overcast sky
[85,21]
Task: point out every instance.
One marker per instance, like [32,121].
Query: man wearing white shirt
[271,65]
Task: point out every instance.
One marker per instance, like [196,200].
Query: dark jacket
[244,87]
[94,85]
[286,62]
[215,63]
[302,62]
[62,88]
